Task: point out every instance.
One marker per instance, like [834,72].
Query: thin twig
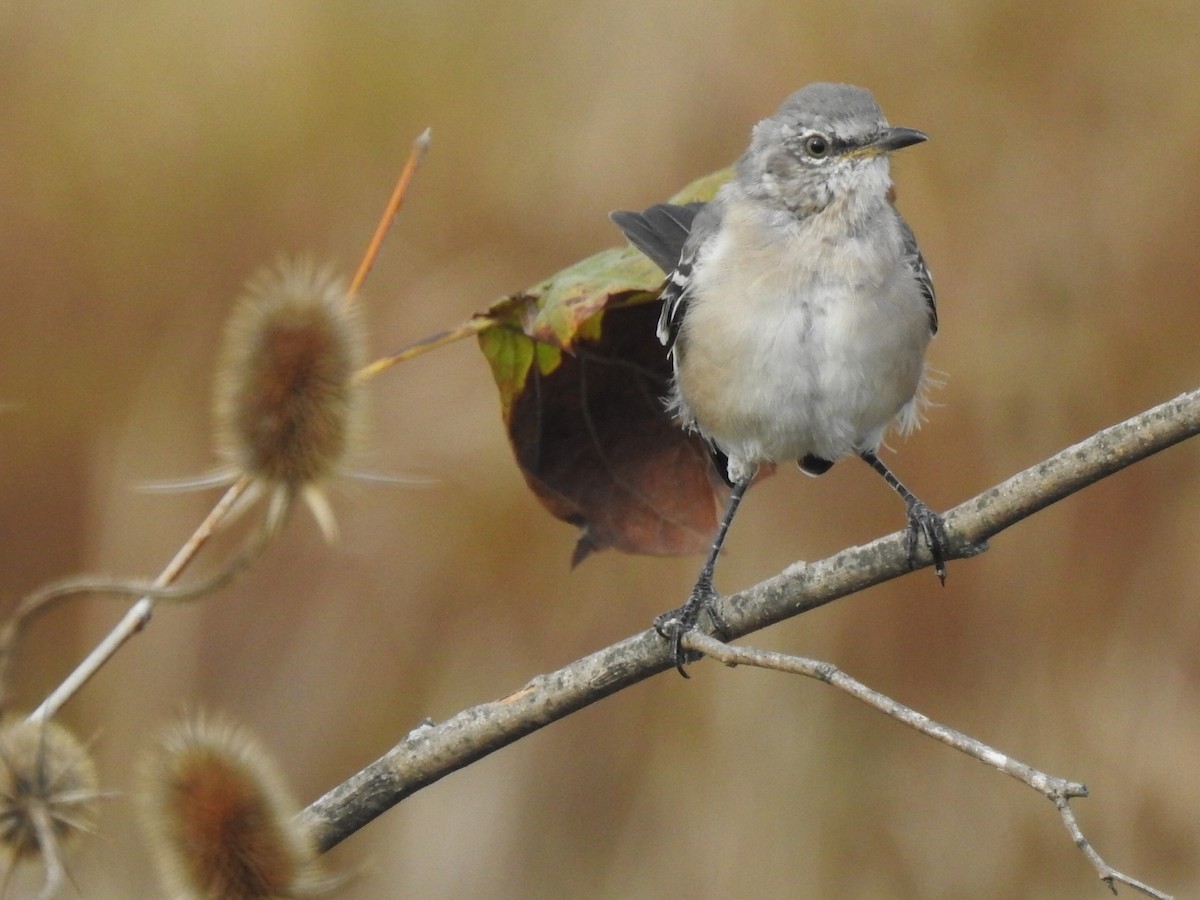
[433,751]
[419,148]
[1058,791]
[1108,874]
[139,614]
[732,655]
[469,328]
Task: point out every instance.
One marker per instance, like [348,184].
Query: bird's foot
[926,525]
[673,625]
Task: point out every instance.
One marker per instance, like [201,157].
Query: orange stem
[419,148]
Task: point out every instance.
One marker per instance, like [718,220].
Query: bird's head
[827,142]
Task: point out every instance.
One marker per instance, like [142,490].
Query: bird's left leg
[675,624]
[923,523]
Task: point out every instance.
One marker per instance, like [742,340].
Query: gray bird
[797,309]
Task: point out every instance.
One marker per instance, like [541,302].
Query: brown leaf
[582,376]
[596,446]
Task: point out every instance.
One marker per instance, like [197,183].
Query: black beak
[897,138]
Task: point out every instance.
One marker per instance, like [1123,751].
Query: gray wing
[916,262]
[660,231]
[672,236]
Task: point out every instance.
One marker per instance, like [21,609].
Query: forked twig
[1057,790]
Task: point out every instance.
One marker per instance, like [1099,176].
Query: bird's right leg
[675,624]
[923,523]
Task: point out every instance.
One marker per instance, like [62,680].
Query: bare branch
[1058,791]
[433,751]
[731,655]
[1108,874]
[802,587]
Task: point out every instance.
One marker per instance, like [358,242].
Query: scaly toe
[674,624]
[926,525]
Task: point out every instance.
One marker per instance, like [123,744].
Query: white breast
[801,341]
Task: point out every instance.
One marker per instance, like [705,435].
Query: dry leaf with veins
[581,377]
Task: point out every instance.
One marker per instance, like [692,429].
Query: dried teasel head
[220,820]
[287,405]
[48,791]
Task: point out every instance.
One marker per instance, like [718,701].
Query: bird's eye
[816,146]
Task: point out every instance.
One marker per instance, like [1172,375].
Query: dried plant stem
[48,594]
[419,148]
[469,328]
[1058,791]
[51,855]
[139,614]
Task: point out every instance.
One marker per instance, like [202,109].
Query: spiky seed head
[286,404]
[220,819]
[47,780]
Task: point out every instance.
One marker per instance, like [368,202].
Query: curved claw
[927,525]
[674,624]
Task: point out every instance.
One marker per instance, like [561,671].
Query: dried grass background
[153,155]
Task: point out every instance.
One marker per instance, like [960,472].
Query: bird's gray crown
[842,109]
[823,143]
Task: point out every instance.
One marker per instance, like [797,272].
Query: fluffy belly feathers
[807,367]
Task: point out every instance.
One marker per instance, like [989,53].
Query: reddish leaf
[581,376]
[597,448]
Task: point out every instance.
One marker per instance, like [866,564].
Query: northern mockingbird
[797,309]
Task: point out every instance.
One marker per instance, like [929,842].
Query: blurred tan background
[153,155]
